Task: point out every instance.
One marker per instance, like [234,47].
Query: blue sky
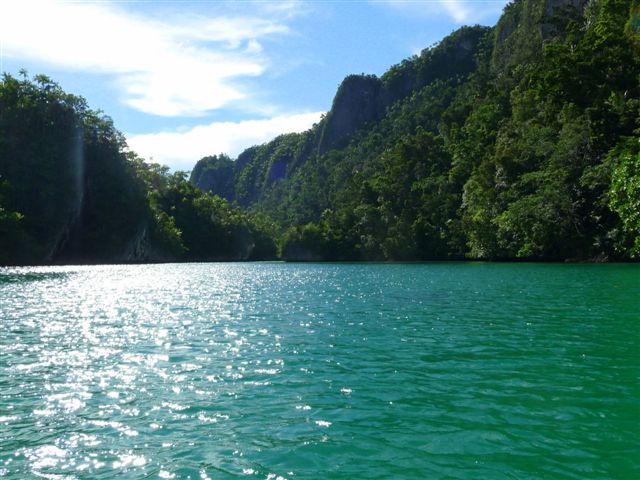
[184,79]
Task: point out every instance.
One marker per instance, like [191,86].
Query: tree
[625,194]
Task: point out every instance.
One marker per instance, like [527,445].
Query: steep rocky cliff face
[360,102]
[525,26]
[363,99]
[552,7]
[360,99]
[496,143]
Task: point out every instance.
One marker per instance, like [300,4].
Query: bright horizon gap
[181,149]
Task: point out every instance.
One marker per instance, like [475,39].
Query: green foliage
[214,174]
[625,191]
[71,192]
[68,176]
[436,63]
[502,155]
[511,142]
[11,232]
[198,226]
[305,243]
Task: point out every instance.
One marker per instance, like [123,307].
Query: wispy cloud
[460,11]
[182,148]
[284,8]
[183,66]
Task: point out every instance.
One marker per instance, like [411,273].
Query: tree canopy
[519,141]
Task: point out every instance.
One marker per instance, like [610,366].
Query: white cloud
[284,8]
[181,149]
[460,11]
[173,67]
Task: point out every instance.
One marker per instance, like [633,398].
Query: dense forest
[520,141]
[71,192]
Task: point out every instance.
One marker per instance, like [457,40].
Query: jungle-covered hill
[71,192]
[517,141]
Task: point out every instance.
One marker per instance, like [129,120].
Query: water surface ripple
[284,371]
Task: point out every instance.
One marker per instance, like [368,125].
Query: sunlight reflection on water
[299,371]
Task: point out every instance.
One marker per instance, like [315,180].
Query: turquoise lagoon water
[306,371]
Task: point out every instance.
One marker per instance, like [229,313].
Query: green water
[272,371]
